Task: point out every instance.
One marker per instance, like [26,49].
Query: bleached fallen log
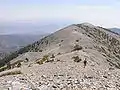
[11,72]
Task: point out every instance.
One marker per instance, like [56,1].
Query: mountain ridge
[77,57]
[37,45]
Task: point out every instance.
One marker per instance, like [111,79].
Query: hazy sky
[99,12]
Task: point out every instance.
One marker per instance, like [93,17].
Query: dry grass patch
[44,59]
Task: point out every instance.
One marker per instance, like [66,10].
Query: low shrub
[53,56]
[77,40]
[40,50]
[50,60]
[3,68]
[76,58]
[44,59]
[77,47]
[59,53]
[19,64]
[62,40]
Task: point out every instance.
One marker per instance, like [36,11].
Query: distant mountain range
[13,36]
[117,30]
[27,28]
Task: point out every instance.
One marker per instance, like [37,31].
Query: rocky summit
[77,57]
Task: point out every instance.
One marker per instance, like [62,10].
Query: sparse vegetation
[19,64]
[14,55]
[40,50]
[39,62]
[29,48]
[8,65]
[44,59]
[59,53]
[62,40]
[77,47]
[3,68]
[50,60]
[76,58]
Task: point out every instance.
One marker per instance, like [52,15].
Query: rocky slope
[78,57]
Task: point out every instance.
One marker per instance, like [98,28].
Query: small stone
[43,76]
[76,82]
[105,76]
[61,86]
[50,79]
[68,82]
[54,86]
